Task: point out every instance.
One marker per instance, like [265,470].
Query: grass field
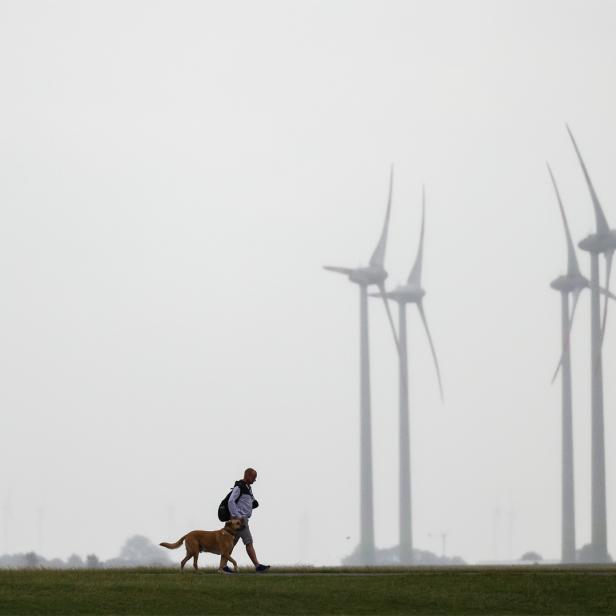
[459,590]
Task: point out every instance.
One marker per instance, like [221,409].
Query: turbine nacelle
[599,243]
[407,294]
[372,274]
[570,283]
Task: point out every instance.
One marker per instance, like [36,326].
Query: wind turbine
[603,242]
[373,274]
[410,293]
[572,283]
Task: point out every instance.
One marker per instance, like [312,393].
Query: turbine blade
[425,324]
[576,297]
[572,262]
[378,256]
[383,295]
[602,226]
[609,257]
[606,293]
[338,270]
[415,275]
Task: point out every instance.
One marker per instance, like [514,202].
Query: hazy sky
[173,175]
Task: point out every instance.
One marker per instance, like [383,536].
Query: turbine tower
[373,274]
[572,283]
[409,293]
[603,242]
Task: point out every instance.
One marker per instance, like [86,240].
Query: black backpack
[224,514]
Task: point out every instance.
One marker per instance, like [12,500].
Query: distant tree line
[138,551]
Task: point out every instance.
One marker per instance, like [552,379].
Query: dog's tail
[173,546]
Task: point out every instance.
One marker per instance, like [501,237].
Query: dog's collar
[224,530]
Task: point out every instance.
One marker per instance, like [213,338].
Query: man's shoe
[262,568]
[227,569]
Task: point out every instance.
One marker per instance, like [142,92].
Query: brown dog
[214,541]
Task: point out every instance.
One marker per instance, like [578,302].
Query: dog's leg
[185,560]
[228,557]
[196,558]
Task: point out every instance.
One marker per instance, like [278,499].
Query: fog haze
[173,176]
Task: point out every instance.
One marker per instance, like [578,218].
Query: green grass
[459,590]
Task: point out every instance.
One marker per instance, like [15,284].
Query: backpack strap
[244,488]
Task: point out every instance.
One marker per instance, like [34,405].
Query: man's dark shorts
[244,535]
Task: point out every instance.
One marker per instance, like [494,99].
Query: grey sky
[173,177]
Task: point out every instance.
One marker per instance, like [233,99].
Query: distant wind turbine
[410,293]
[374,274]
[571,283]
[603,242]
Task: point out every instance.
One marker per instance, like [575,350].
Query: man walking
[241,504]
